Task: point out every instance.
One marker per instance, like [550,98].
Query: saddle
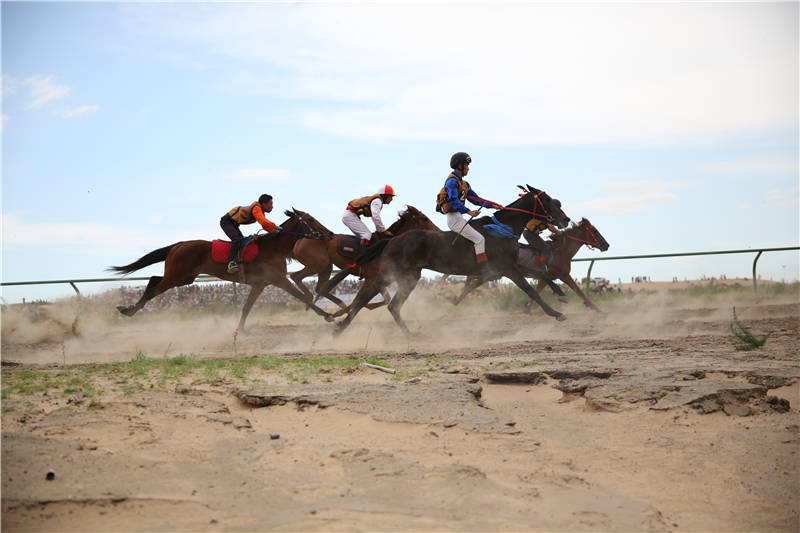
[352,246]
[247,251]
[533,257]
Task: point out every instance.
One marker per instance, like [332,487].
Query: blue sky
[126,127]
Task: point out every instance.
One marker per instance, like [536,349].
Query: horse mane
[401,216]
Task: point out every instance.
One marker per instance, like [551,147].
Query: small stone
[50,475]
[274,436]
[735,409]
[212,521]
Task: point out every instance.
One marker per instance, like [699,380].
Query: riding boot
[486,272]
[233,266]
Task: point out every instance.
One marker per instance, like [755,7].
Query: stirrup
[233,267]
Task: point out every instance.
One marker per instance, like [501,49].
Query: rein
[589,234]
[538,202]
[313,234]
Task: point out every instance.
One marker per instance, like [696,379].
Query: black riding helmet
[458,159]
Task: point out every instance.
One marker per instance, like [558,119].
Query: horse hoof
[328,318]
[127,311]
[563,299]
[561,318]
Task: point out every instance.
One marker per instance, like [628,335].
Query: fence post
[75,287]
[589,276]
[235,301]
[755,287]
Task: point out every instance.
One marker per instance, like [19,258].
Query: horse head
[592,237]
[552,206]
[304,223]
[412,218]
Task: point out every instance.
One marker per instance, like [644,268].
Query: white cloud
[778,198]
[624,203]
[78,111]
[631,196]
[88,238]
[764,166]
[43,90]
[10,85]
[516,73]
[257,174]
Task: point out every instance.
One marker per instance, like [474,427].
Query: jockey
[368,206]
[246,214]
[531,233]
[450,201]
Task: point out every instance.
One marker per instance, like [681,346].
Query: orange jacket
[247,214]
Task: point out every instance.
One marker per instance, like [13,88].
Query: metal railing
[206,277]
[757,251]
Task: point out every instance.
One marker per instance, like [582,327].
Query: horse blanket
[220,250]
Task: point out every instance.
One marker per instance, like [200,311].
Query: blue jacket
[451,186]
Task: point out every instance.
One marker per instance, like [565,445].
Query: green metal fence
[758,253]
[205,277]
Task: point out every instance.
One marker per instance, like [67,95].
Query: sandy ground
[640,418]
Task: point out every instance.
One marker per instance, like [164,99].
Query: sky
[672,127]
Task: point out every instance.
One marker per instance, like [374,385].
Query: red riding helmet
[386,189]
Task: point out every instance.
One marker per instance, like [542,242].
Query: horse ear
[523,188]
[531,189]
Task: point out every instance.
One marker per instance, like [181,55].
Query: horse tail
[156,256]
[335,280]
[371,252]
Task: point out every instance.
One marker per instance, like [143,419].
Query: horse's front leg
[472,283]
[520,281]
[299,276]
[574,286]
[386,297]
[322,280]
[285,284]
[255,292]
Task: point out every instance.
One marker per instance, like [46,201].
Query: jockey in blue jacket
[450,201]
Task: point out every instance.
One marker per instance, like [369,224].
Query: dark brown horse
[564,246]
[402,258]
[185,260]
[318,257]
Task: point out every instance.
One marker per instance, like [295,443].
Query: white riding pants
[456,222]
[354,223]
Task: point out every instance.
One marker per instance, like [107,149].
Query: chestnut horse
[185,260]
[318,257]
[565,246]
[401,259]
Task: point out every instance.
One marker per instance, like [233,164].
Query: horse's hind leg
[255,292]
[404,288]
[150,292]
[364,296]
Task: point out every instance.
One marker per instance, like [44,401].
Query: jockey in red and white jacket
[368,206]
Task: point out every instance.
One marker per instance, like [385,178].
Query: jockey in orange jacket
[245,214]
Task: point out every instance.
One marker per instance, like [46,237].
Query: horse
[185,260]
[402,258]
[565,246]
[318,257]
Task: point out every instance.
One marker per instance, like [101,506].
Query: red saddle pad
[220,249]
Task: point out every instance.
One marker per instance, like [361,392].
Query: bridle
[539,210]
[308,231]
[591,239]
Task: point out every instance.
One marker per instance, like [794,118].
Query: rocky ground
[642,418]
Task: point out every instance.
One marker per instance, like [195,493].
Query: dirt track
[644,418]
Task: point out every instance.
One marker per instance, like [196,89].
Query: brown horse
[185,260]
[565,246]
[318,257]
